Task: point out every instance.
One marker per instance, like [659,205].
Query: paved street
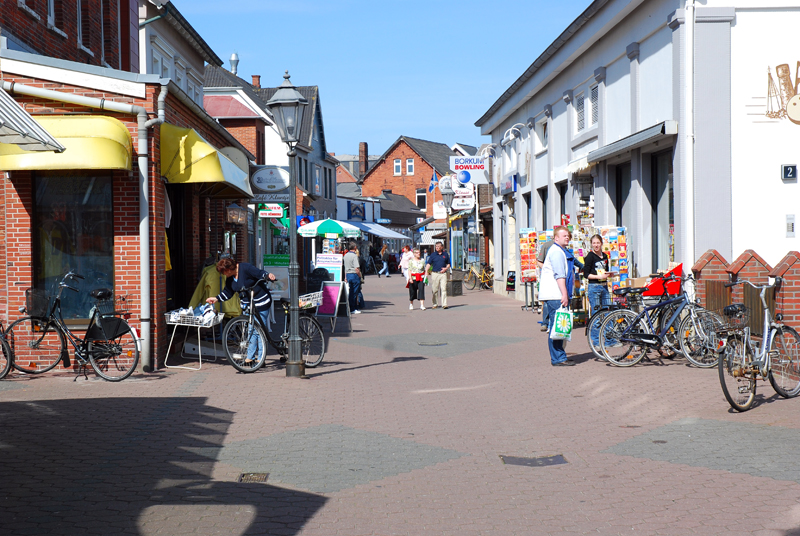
[401,432]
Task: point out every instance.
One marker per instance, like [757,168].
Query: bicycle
[6,357]
[743,360]
[109,345]
[247,331]
[625,337]
[485,277]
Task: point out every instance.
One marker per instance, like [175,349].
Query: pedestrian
[352,272]
[437,265]
[407,256]
[540,257]
[596,271]
[555,288]
[385,259]
[416,276]
[244,275]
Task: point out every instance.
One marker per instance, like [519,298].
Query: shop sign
[464,198]
[439,212]
[276,260]
[508,184]
[384,221]
[331,235]
[271,210]
[469,169]
[355,209]
[269,181]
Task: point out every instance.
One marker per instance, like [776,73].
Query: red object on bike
[656,286]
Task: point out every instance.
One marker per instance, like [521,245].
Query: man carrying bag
[555,288]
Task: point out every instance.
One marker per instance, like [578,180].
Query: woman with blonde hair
[416,284]
[407,256]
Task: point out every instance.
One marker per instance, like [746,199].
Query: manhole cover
[541,461]
[434,343]
[251,478]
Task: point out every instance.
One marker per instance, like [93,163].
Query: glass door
[663,202]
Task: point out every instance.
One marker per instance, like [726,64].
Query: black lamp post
[447,193]
[287,106]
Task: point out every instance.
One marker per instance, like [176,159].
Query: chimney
[363,159]
[257,80]
[234,63]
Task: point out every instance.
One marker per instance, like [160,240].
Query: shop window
[422,198]
[409,166]
[73,229]
[397,167]
[580,113]
[595,103]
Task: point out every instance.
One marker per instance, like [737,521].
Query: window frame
[398,167]
[580,113]
[424,193]
[594,105]
[409,166]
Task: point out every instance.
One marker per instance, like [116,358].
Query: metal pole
[295,368]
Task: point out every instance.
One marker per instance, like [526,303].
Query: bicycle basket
[307,301]
[735,316]
[118,305]
[36,302]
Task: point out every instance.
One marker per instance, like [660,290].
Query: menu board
[527,254]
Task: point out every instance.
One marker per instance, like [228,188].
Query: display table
[191,322]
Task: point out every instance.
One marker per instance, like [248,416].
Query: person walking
[416,284]
[405,258]
[595,270]
[438,264]
[555,288]
[385,259]
[352,272]
[242,275]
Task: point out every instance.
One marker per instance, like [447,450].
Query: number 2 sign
[789,172]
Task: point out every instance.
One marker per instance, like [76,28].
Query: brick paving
[391,437]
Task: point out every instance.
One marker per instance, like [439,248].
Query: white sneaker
[356,312]
[421,307]
[411,307]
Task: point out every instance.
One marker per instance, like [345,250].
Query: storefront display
[527,254]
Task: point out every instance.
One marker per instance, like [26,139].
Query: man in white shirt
[555,288]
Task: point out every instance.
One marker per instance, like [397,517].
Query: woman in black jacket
[595,269]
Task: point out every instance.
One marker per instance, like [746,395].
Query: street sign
[469,169]
[383,220]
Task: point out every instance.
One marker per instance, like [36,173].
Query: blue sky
[425,69]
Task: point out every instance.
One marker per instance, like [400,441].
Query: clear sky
[422,68]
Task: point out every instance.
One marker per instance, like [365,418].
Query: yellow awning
[188,158]
[91,141]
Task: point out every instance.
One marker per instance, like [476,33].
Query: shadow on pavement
[131,466]
[327,364]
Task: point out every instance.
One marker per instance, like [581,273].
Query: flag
[434,181]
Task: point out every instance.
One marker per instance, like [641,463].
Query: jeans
[557,352]
[385,269]
[598,297]
[255,343]
[354,284]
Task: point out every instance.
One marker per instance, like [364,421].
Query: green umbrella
[323,227]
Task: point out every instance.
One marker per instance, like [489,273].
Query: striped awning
[17,127]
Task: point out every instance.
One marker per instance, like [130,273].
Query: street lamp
[287,106]
[447,193]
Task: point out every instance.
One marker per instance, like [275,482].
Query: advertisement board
[464,198]
[270,184]
[469,169]
[331,262]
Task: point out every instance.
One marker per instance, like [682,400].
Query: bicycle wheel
[594,323]
[784,351]
[38,345]
[115,359]
[5,359]
[737,378]
[621,354]
[313,345]
[671,339]
[489,281]
[240,338]
[698,335]
[471,280]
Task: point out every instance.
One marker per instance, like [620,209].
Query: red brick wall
[382,177]
[248,132]
[788,298]
[749,266]
[711,266]
[33,30]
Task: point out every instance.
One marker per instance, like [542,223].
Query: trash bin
[454,287]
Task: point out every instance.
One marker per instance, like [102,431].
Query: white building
[607,115]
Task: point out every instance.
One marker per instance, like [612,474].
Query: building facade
[656,116]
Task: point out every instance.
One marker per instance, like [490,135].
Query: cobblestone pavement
[401,432]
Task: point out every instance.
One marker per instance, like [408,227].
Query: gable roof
[437,155]
[469,149]
[549,52]
[227,106]
[346,176]
[219,77]
[311,93]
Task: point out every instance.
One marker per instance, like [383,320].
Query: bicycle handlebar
[777,283]
[70,275]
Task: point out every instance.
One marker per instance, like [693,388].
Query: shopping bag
[562,325]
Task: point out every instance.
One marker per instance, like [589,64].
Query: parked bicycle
[245,337]
[6,357]
[484,278]
[626,337]
[743,360]
[39,342]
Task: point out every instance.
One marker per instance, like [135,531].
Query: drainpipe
[688,127]
[144,212]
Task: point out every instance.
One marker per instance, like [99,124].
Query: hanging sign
[271,210]
[469,169]
[439,212]
[270,184]
[464,198]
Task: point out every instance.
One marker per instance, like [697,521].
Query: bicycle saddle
[101,294]
[626,291]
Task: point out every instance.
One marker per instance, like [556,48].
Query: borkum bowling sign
[469,169]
